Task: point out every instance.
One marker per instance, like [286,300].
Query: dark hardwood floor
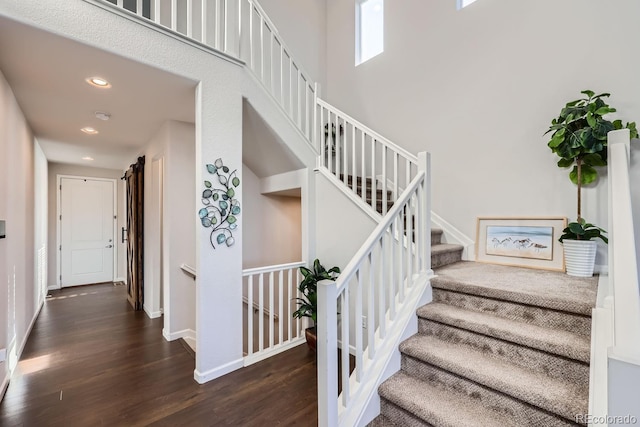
[92,361]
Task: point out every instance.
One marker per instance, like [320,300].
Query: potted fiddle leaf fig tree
[580,140]
[308,302]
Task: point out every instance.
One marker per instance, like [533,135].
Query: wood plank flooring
[92,361]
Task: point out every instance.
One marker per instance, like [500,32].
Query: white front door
[86,227]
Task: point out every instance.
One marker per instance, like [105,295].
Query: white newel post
[424,164]
[327,351]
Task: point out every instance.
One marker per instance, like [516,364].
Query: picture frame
[530,242]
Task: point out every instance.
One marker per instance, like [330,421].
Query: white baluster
[261,312]
[344,335]
[382,281]
[385,195]
[353,159]
[374,194]
[204,21]
[190,18]
[156,11]
[371,308]
[139,7]
[174,15]
[250,316]
[272,324]
[327,354]
[359,334]
[280,304]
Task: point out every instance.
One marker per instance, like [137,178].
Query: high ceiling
[47,74]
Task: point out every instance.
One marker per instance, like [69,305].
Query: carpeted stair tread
[556,396]
[522,285]
[445,247]
[555,341]
[436,406]
[381,421]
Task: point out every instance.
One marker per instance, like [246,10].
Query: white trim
[121,279]
[59,178]
[3,355]
[4,384]
[601,340]
[602,269]
[152,314]
[453,235]
[28,332]
[212,374]
[276,349]
[185,333]
[54,287]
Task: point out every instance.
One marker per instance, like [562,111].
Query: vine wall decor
[221,208]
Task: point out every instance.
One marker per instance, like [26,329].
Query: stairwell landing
[498,346]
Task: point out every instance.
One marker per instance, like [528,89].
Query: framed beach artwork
[521,242]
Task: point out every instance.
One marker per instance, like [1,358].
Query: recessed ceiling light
[98,82]
[87,158]
[89,130]
[101,115]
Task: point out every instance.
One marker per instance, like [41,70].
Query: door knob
[109,246]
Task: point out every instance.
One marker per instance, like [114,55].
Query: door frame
[59,178]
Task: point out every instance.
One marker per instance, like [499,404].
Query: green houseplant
[308,288]
[580,140]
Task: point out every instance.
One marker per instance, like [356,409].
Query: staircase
[441,253]
[498,346]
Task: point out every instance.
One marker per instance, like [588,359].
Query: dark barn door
[135,233]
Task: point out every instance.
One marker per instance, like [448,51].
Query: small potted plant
[308,303]
[580,140]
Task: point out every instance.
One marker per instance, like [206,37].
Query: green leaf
[605,110]
[589,174]
[207,184]
[211,169]
[231,192]
[576,229]
[589,93]
[590,119]
[235,181]
[556,141]
[594,159]
[565,163]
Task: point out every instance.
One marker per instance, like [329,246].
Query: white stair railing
[269,294]
[241,29]
[619,371]
[351,151]
[360,312]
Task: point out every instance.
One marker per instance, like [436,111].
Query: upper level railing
[623,264]
[269,294]
[241,29]
[359,312]
[352,151]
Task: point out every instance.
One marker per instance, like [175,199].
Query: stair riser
[534,315]
[399,416]
[436,237]
[554,366]
[521,412]
[445,258]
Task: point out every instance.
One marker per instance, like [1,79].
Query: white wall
[174,143]
[19,294]
[303,26]
[479,87]
[56,169]
[272,226]
[341,226]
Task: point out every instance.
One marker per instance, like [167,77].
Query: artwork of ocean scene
[520,241]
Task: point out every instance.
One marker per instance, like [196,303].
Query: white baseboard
[4,380]
[185,333]
[26,335]
[152,314]
[601,269]
[453,235]
[212,374]
[55,287]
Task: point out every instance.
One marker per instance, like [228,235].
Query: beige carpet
[497,346]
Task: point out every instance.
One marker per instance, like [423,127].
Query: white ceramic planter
[580,257]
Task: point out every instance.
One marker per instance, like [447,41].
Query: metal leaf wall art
[221,208]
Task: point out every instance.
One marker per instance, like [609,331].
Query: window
[464,3]
[369,29]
